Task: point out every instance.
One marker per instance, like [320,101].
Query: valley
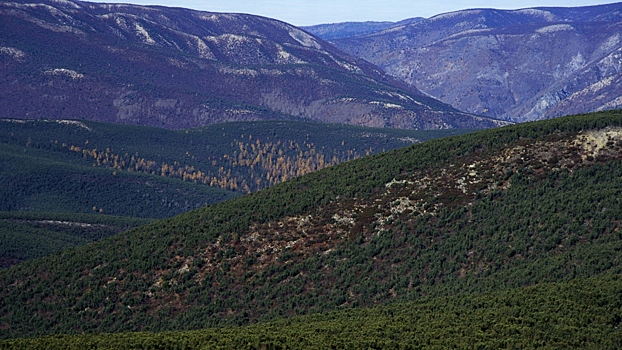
[29,235]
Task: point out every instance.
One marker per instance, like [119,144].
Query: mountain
[515,65]
[53,170]
[334,31]
[177,68]
[478,213]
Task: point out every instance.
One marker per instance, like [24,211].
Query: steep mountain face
[516,65]
[178,68]
[502,208]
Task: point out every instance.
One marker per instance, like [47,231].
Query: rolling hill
[42,173]
[518,65]
[177,68]
[487,212]
[237,156]
[27,235]
[73,167]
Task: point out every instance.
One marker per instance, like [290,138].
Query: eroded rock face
[178,68]
[515,65]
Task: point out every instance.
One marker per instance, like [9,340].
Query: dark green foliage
[25,236]
[253,259]
[76,167]
[217,151]
[34,182]
[582,314]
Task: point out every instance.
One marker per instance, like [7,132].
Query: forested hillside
[479,213]
[242,157]
[105,169]
[27,235]
[581,314]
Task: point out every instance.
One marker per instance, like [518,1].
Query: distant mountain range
[515,65]
[178,68]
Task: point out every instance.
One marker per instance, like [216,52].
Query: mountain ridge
[179,68]
[332,31]
[507,64]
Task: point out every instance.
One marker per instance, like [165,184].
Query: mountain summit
[179,68]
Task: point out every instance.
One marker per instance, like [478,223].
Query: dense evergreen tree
[487,212]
